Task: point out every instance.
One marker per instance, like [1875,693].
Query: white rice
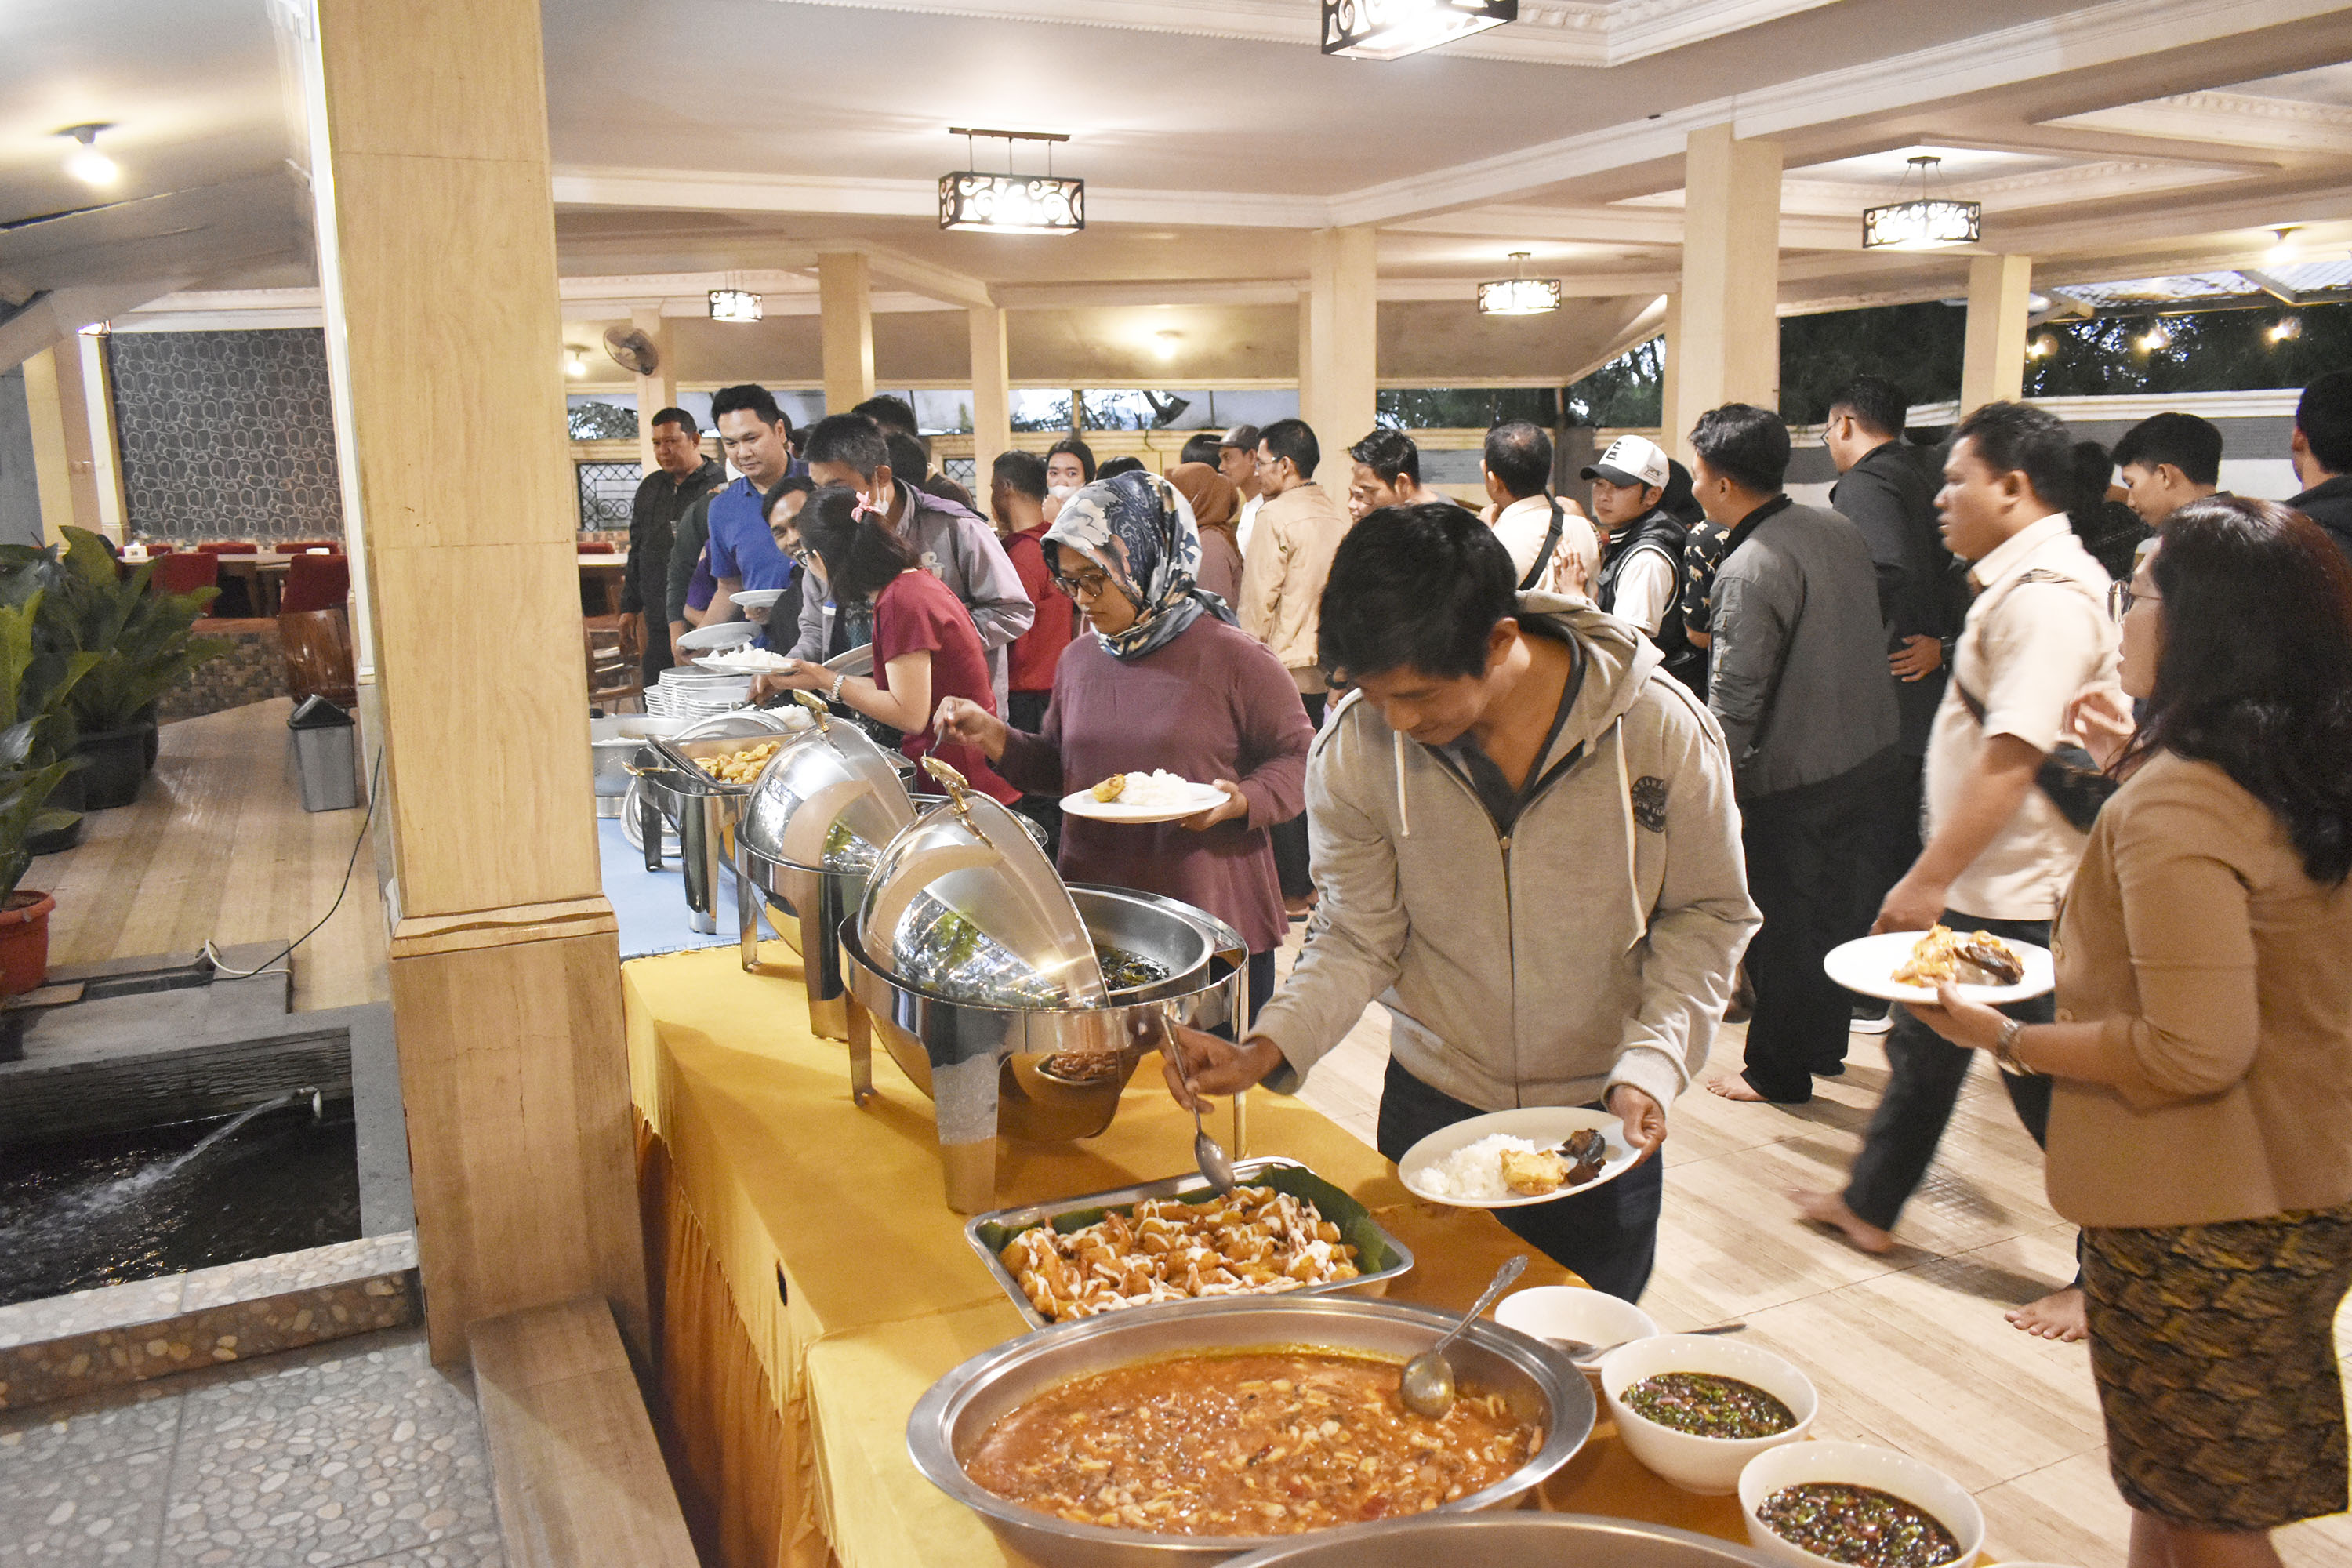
[1158,789]
[1475,1170]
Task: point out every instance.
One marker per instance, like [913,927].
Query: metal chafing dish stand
[812,828]
[671,783]
[977,966]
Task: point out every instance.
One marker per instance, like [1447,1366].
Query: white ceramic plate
[1082,802]
[726,633]
[1868,963]
[1537,1123]
[731,663]
[759,598]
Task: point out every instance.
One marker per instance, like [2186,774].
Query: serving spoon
[1215,1164]
[1427,1385]
[1580,1351]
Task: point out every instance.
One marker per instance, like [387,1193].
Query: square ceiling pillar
[1338,383]
[991,396]
[1672,426]
[65,473]
[657,391]
[845,286]
[1992,362]
[1731,350]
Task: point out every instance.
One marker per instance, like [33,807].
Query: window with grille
[965,472]
[605,491]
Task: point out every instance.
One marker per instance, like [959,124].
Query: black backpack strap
[1550,546]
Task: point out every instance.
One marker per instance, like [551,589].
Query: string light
[2155,337]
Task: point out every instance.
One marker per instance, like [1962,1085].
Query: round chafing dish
[1507,1540]
[979,969]
[953,1416]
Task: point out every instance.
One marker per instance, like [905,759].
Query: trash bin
[326,755]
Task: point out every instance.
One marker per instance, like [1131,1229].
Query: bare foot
[2061,1315]
[1829,1209]
[1734,1086]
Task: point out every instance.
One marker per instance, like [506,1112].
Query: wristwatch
[838,682]
[2004,1048]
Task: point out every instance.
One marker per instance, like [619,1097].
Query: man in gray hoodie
[1524,834]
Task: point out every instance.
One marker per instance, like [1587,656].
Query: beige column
[657,391]
[105,440]
[1672,426]
[1731,277]
[431,164]
[1993,365]
[845,283]
[56,404]
[1339,345]
[992,394]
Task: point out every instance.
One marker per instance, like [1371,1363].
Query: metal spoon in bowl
[1215,1164]
[1580,1351]
[1427,1385]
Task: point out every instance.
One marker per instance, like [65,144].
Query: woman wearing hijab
[1216,511]
[1166,680]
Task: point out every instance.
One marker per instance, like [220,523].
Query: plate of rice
[1465,1165]
[1156,796]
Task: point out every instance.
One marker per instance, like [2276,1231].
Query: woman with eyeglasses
[1167,682]
[2200,1125]
[926,648]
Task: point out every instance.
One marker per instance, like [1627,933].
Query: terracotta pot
[25,941]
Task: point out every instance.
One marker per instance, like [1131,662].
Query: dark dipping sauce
[1861,1525]
[1125,971]
[1707,1406]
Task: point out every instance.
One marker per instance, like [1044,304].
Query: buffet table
[810,1281]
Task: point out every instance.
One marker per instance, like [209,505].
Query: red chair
[331,546]
[184,573]
[316,583]
[229,547]
[595,547]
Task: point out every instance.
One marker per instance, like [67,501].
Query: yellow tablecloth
[810,1280]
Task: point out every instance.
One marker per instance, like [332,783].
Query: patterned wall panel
[227,435]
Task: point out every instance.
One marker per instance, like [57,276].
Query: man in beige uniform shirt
[1998,854]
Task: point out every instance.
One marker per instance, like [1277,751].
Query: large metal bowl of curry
[950,1421]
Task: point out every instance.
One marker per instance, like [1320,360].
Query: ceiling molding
[2022,191]
[48,318]
[2231,118]
[941,283]
[690,190]
[1619,224]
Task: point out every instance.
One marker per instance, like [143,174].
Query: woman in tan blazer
[2201,1129]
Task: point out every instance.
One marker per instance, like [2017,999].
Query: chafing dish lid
[829,801]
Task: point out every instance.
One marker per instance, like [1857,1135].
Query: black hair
[679,417]
[862,556]
[2190,443]
[2324,415]
[909,460]
[1679,499]
[1201,448]
[1121,466]
[1746,444]
[1415,587]
[757,398]
[1243,437]
[1293,439]
[2089,473]
[2256,675]
[2016,437]
[1075,448]
[1390,454]
[890,412]
[1024,471]
[1519,456]
[1878,405]
[851,439]
[789,485]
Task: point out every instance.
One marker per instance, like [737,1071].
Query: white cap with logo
[1630,460]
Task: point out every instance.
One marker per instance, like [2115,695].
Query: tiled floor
[1909,1349]
[355,1452]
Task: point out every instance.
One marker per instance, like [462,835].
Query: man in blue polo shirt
[754,434]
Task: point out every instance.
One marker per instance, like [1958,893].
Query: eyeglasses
[2121,599]
[1087,586]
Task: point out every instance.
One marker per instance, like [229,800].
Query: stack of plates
[684,692]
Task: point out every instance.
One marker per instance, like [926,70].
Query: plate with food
[1507,1159]
[1156,796]
[745,661]
[1907,965]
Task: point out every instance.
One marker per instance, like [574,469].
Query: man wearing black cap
[1642,551]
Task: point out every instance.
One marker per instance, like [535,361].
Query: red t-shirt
[917,613]
[1038,651]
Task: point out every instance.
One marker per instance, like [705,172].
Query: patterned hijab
[1139,529]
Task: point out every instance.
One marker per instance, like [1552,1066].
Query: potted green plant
[30,770]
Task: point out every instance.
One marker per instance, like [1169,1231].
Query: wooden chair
[616,661]
[316,647]
[596,547]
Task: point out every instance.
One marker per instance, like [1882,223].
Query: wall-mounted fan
[632,350]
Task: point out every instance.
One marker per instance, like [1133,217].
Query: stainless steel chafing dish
[1507,1540]
[671,785]
[810,831]
[977,969]
[950,1419]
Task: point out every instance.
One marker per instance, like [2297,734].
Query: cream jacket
[1283,573]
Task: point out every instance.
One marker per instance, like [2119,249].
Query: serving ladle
[1427,1385]
[1215,1164]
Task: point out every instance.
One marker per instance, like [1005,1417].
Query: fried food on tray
[1981,958]
[740,767]
[1110,788]
[1532,1172]
[1253,1241]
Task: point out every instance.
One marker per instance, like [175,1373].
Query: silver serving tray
[1012,1222]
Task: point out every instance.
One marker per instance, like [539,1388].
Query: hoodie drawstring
[1625,804]
[1404,820]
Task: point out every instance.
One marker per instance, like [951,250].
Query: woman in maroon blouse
[925,646]
[1167,680]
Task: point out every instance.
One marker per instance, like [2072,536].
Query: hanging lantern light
[1927,222]
[1011,203]
[734,305]
[1391,29]
[1518,295]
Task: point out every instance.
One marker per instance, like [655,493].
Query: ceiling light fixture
[2285,327]
[88,164]
[1391,29]
[1518,295]
[2282,250]
[1011,203]
[734,305]
[1924,222]
[2155,337]
[1166,342]
[575,361]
